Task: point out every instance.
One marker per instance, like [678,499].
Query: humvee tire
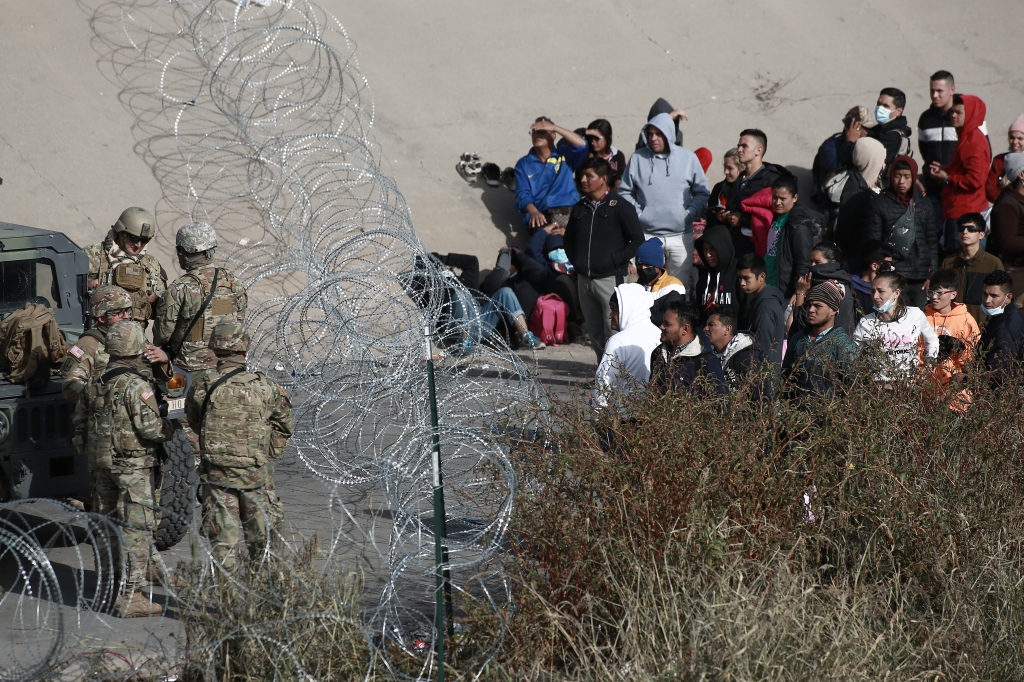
[177,489]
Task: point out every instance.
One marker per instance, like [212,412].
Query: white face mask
[887,306]
[995,311]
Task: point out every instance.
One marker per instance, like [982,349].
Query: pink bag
[547,320]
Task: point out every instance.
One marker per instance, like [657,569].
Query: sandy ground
[469,76]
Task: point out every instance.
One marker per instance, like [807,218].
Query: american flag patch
[77,352]
[147,394]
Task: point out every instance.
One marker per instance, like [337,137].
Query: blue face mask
[882,114]
[886,307]
[995,311]
[558,256]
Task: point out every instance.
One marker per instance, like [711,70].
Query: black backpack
[902,235]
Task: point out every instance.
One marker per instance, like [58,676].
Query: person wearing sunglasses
[956,328]
[971,264]
[121,259]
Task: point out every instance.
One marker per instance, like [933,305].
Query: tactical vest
[235,430]
[131,277]
[224,307]
[110,434]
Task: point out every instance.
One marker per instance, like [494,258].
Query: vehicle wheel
[177,489]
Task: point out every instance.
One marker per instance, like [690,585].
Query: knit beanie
[1017,125]
[1013,166]
[829,292]
[651,252]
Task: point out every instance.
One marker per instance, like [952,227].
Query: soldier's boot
[156,575]
[137,606]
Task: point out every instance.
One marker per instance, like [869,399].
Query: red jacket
[964,190]
[992,187]
[759,207]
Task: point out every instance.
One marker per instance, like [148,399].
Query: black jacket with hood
[893,136]
[794,246]
[886,208]
[716,286]
[600,241]
[845,318]
[679,369]
[1002,342]
[764,316]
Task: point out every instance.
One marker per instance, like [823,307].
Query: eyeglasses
[938,294]
[593,138]
[970,228]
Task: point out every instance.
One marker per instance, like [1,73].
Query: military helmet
[125,339]
[196,238]
[231,337]
[137,222]
[108,297]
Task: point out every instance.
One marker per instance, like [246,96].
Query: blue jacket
[668,190]
[551,184]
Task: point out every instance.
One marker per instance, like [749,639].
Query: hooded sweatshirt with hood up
[669,190]
[964,191]
[716,286]
[626,363]
[887,208]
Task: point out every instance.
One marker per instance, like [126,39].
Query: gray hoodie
[669,190]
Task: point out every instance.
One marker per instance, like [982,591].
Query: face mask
[558,256]
[887,306]
[882,115]
[646,275]
[995,311]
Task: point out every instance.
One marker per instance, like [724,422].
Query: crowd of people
[916,252]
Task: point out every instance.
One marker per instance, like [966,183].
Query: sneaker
[491,174]
[465,347]
[137,606]
[531,342]
[508,179]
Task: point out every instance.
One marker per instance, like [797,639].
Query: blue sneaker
[465,347]
[531,342]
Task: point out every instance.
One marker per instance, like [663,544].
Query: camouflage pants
[231,514]
[128,496]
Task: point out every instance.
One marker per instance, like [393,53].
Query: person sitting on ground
[716,283]
[601,238]
[748,227]
[971,264]
[963,180]
[545,191]
[666,184]
[790,238]
[896,328]
[1007,238]
[857,194]
[892,130]
[626,364]
[720,193]
[1002,339]
[650,269]
[826,265]
[599,144]
[901,219]
[874,262]
[529,280]
[685,356]
[763,310]
[819,356]
[956,328]
[1015,141]
[735,350]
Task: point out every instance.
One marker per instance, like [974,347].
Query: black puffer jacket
[883,213]
[600,242]
[796,240]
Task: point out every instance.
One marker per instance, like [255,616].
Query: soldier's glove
[163,409]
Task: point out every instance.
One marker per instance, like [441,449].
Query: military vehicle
[37,457]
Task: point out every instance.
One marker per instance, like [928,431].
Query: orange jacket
[961,325]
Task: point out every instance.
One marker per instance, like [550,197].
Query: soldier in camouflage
[121,259]
[119,423]
[244,420]
[195,303]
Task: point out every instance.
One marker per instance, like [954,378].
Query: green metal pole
[442,596]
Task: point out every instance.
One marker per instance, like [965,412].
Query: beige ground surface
[461,75]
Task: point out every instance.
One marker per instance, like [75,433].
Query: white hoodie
[626,363]
[899,339]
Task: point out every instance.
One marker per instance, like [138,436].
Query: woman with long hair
[599,143]
[895,329]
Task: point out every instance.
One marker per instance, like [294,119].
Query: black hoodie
[716,286]
[892,135]
[764,316]
[822,273]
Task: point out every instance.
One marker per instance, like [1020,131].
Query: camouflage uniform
[119,423]
[247,422]
[140,275]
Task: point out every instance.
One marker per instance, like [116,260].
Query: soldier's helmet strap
[214,387]
[199,314]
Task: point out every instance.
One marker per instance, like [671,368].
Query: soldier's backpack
[30,342]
